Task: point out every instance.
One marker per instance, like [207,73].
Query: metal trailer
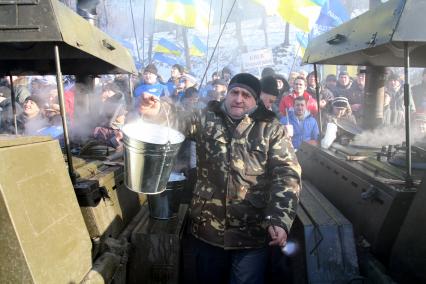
[389,35]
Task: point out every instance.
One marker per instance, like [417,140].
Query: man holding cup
[301,125]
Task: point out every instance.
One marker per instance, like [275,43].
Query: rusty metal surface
[29,32]
[375,37]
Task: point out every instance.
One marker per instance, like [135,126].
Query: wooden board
[155,253]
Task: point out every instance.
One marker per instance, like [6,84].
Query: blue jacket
[304,130]
[156,89]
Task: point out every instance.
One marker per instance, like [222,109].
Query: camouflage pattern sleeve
[285,173]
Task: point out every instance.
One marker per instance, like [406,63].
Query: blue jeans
[216,265]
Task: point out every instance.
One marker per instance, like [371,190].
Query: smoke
[386,136]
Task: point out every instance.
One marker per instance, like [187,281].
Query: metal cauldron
[165,204]
[149,156]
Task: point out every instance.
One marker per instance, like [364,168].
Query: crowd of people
[242,132]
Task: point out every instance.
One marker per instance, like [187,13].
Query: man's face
[291,78]
[175,73]
[30,108]
[361,79]
[149,78]
[215,77]
[238,102]
[299,86]
[220,88]
[395,84]
[106,94]
[311,81]
[339,111]
[268,100]
[299,107]
[330,83]
[226,76]
[344,80]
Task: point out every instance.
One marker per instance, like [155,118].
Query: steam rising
[152,133]
[385,136]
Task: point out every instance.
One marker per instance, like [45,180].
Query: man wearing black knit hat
[248,182]
[269,92]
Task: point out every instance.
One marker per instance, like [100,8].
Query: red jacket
[287,102]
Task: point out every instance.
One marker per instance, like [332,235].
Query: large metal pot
[149,156]
[165,204]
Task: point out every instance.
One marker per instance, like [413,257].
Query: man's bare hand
[278,236]
[149,105]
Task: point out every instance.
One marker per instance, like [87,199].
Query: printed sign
[257,59]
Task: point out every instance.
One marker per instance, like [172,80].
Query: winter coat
[304,130]
[343,91]
[245,172]
[287,103]
[394,113]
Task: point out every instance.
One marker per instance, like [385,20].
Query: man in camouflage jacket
[247,171]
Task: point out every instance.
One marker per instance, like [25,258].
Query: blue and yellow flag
[198,48]
[187,13]
[160,57]
[301,13]
[302,39]
[167,47]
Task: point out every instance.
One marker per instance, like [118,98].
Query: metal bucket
[164,205]
[149,155]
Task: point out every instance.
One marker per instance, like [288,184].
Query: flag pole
[208,34]
[217,43]
[134,31]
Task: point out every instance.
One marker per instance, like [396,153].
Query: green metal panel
[43,236]
[375,37]
[28,34]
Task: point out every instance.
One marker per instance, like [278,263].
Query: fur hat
[248,82]
[269,86]
[151,69]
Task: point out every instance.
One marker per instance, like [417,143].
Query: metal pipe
[318,101]
[60,87]
[129,99]
[407,113]
[13,97]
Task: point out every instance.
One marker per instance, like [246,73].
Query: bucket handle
[166,112]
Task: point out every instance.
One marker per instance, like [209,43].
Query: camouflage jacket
[245,172]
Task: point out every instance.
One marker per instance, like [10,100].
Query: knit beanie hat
[340,102]
[269,86]
[248,82]
[267,71]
